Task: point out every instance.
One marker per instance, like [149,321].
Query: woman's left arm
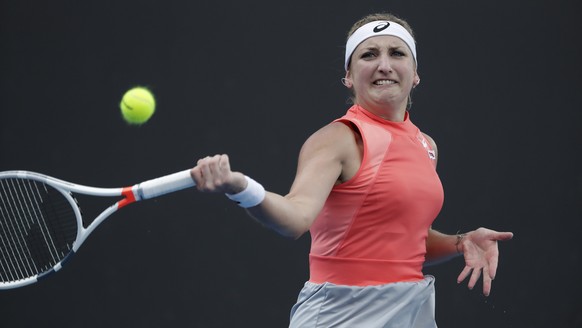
[479,248]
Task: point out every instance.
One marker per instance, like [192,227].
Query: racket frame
[144,190]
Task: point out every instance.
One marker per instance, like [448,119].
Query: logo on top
[431,152]
[381,27]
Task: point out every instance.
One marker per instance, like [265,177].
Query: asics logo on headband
[377,28]
[381,27]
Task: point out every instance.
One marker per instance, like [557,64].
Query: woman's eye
[398,53]
[367,54]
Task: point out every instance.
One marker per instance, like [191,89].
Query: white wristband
[253,194]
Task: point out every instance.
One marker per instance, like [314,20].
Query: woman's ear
[416,80]
[346,80]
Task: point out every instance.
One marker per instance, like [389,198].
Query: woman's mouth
[384,82]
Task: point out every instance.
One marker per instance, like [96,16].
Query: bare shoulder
[335,149]
[431,141]
[337,146]
[333,137]
[432,144]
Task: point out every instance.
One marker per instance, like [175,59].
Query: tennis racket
[41,225]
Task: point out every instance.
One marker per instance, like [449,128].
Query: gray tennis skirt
[393,305]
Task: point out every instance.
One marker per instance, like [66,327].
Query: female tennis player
[367,190]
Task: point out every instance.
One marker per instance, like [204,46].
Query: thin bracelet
[460,237]
[253,194]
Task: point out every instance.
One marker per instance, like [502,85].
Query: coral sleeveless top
[372,229]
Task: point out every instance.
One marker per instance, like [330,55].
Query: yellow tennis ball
[137,105]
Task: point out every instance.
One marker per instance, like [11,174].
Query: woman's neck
[390,113]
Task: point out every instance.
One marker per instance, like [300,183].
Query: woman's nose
[384,64]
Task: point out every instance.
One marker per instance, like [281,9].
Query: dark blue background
[499,94]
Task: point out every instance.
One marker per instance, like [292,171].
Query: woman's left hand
[481,254]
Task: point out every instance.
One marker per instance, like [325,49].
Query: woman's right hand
[213,174]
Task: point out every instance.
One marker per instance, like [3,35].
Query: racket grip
[166,184]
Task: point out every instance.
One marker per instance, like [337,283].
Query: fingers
[475,275]
[205,169]
[494,235]
[474,278]
[224,163]
[483,258]
[211,173]
[464,274]
[504,236]
[487,280]
[493,262]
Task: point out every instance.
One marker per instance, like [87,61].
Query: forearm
[282,215]
[442,247]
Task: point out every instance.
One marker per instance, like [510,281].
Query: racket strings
[39,227]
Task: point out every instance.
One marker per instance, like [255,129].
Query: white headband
[378,28]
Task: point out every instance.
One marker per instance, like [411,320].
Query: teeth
[382,82]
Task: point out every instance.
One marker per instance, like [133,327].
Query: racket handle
[166,184]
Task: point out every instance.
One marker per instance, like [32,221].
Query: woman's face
[382,72]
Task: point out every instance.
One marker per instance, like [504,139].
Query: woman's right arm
[320,165]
